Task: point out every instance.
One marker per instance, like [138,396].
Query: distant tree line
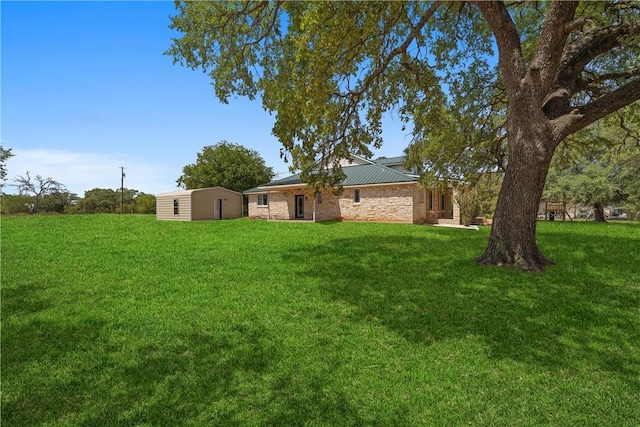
[224,164]
[98,200]
[37,194]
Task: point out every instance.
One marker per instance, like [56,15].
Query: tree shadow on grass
[75,374]
[22,300]
[429,289]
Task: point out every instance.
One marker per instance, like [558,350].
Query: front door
[299,206]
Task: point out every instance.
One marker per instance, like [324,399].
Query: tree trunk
[598,212]
[513,233]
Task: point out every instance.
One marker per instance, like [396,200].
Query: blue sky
[86,89]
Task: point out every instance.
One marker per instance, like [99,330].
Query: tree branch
[583,116]
[377,72]
[507,37]
[588,47]
[570,27]
[585,49]
[553,37]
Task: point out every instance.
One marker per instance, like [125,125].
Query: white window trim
[265,205]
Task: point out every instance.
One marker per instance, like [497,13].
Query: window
[356,196]
[319,197]
[442,203]
[262,200]
[176,206]
[430,200]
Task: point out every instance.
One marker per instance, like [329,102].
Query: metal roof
[373,174]
[369,174]
[194,190]
[390,160]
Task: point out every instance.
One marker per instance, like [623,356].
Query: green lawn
[110,320]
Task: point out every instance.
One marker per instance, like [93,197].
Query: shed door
[217,209]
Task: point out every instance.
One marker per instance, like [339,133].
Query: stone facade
[255,211]
[388,203]
[405,203]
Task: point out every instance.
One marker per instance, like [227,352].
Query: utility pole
[121,189]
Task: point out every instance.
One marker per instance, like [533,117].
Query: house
[373,190]
[199,204]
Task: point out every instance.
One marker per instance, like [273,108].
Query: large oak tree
[330,70]
[226,165]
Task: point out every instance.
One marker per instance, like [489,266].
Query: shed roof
[194,190]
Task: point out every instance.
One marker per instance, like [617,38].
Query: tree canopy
[5,153]
[598,167]
[226,165]
[38,188]
[331,70]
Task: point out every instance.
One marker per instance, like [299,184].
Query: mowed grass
[125,320]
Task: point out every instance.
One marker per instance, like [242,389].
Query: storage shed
[199,204]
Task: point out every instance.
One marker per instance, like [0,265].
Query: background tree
[37,187]
[330,70]
[15,204]
[99,200]
[106,200]
[590,183]
[58,202]
[630,183]
[144,204]
[5,153]
[226,165]
[488,187]
[598,166]
[466,196]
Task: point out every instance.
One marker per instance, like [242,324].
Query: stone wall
[279,208]
[419,205]
[255,211]
[435,210]
[388,203]
[408,203]
[329,209]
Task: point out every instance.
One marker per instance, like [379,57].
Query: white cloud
[80,172]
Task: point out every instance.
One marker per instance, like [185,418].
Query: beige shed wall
[164,207]
[204,204]
[199,204]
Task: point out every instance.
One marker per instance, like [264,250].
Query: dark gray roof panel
[253,190]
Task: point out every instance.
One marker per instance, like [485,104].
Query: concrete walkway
[471,227]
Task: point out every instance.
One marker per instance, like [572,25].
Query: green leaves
[226,165]
[330,70]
